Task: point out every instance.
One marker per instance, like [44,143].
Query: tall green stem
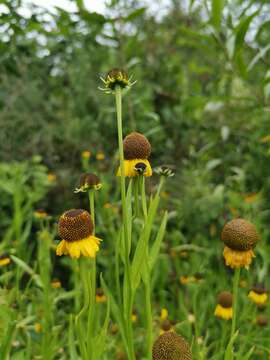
[235,299]
[129,296]
[149,333]
[229,351]
[92,285]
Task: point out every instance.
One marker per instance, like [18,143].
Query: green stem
[235,299]
[128,296]
[149,334]
[136,196]
[92,286]
[229,351]
[144,204]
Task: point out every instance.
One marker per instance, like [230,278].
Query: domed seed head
[170,346]
[225,299]
[258,289]
[240,235]
[166,325]
[136,146]
[89,179]
[75,225]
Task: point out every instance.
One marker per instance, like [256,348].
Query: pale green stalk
[91,285]
[129,298]
[229,350]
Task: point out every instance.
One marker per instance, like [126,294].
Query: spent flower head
[116,77]
[239,237]
[87,182]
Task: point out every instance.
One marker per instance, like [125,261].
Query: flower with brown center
[258,295]
[87,182]
[170,346]
[56,284]
[100,296]
[262,320]
[224,308]
[116,77]
[137,150]
[240,237]
[75,228]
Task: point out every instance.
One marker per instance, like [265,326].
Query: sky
[93,5]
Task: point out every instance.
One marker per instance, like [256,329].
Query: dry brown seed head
[240,235]
[75,225]
[136,146]
[170,346]
[225,299]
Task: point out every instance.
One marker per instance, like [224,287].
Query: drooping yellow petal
[237,259]
[258,299]
[87,247]
[223,313]
[129,168]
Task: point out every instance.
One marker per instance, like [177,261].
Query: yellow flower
[56,284]
[163,314]
[258,295]
[37,327]
[239,237]
[265,139]
[165,326]
[134,316]
[223,313]
[4,260]
[236,259]
[136,167]
[51,177]
[100,296]
[224,307]
[137,150]
[86,154]
[186,279]
[40,214]
[100,156]
[75,228]
[116,77]
[251,198]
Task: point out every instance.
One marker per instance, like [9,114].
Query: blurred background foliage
[202,99]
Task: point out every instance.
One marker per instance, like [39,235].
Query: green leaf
[157,243]
[134,14]
[217,8]
[27,269]
[241,31]
[142,247]
[100,339]
[116,311]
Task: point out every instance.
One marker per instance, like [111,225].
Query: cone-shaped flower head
[224,307]
[239,237]
[87,182]
[137,150]
[75,228]
[170,346]
[258,294]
